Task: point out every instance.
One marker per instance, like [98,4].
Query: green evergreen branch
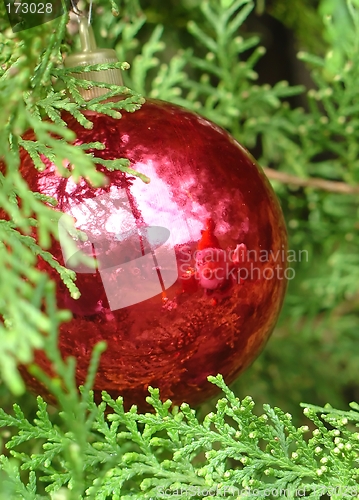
[171,452]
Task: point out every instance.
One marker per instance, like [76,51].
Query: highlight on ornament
[163,268]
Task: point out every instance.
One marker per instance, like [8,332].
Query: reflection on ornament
[183,301]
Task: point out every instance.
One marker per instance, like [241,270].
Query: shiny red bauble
[191,266]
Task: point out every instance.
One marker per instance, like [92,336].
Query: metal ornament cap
[89,55]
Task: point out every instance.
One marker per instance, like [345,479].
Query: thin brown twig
[315,182]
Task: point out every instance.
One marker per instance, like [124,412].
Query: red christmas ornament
[190,271]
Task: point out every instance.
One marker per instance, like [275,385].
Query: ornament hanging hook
[74,8]
[80,13]
[88,42]
[90,13]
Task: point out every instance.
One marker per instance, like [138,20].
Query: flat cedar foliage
[229,60]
